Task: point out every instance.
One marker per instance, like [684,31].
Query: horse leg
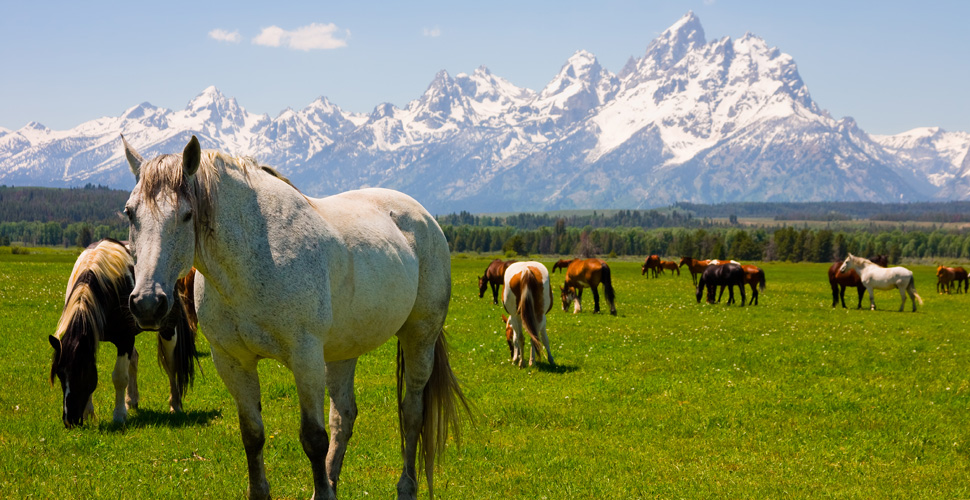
[754,294]
[872,301]
[741,290]
[132,398]
[242,381]
[545,340]
[310,375]
[494,293]
[518,342]
[166,348]
[835,295]
[343,413]
[862,292]
[596,298]
[578,301]
[418,356]
[120,379]
[902,295]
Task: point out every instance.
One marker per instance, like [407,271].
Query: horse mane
[165,174]
[109,262]
[81,325]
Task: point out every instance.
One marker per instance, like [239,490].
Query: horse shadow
[142,418]
[547,368]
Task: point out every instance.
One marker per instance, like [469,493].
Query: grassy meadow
[670,399]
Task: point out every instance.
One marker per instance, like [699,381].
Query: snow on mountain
[689,120]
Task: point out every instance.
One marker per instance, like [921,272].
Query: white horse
[883,278]
[313,283]
[527,298]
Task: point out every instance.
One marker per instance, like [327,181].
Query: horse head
[163,226]
[567,294]
[482,286]
[509,332]
[74,366]
[850,262]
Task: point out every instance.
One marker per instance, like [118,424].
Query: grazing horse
[696,267]
[96,310]
[587,273]
[494,274]
[670,265]
[562,264]
[724,275]
[944,279]
[882,278]
[312,283]
[527,298]
[652,264]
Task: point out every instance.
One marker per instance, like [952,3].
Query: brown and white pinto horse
[839,280]
[588,273]
[652,264]
[527,298]
[695,266]
[494,274]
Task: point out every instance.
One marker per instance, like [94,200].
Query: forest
[76,217]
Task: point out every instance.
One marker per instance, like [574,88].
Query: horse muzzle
[149,308]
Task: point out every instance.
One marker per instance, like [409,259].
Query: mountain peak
[676,41]
[205,99]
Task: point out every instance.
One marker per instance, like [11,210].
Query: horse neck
[240,201]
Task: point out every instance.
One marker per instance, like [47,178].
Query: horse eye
[187,217]
[129,213]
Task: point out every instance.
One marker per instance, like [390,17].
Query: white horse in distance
[883,278]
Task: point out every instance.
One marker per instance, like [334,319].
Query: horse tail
[527,308]
[185,356]
[912,288]
[761,279]
[608,287]
[441,397]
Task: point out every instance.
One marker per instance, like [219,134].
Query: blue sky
[891,65]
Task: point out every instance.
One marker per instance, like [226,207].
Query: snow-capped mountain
[689,120]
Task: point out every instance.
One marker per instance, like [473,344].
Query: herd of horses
[323,281]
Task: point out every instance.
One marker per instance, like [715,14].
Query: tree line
[745,244]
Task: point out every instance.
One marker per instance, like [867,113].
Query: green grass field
[670,399]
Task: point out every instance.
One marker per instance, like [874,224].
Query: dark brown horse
[960,276]
[494,276]
[562,264]
[587,273]
[695,266]
[724,275]
[652,264]
[840,281]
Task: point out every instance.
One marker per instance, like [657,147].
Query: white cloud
[312,37]
[222,35]
[432,32]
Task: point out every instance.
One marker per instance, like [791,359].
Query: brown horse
[754,276]
[670,265]
[960,275]
[652,264]
[562,264]
[695,266]
[587,273]
[494,276]
[839,281]
[944,279]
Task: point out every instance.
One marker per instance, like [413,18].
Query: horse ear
[191,157]
[134,159]
[56,344]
